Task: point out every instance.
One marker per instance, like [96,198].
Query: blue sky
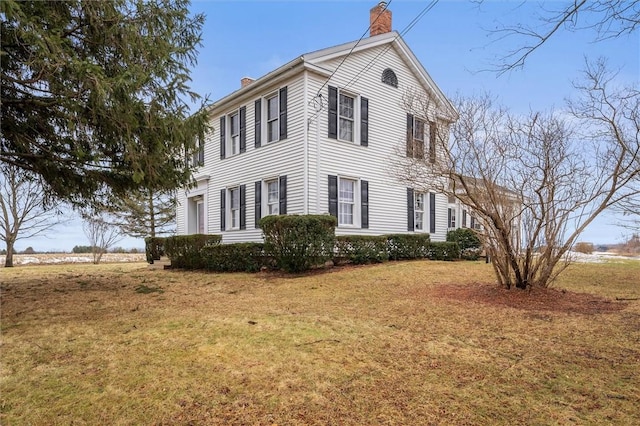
[453,42]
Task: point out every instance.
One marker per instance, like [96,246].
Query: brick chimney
[379,19]
[245,81]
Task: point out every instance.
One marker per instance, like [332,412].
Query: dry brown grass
[399,343]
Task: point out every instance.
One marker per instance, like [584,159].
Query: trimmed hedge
[297,243]
[468,241]
[184,250]
[444,251]
[360,249]
[408,246]
[239,257]
[154,248]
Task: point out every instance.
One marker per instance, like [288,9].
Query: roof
[311,61]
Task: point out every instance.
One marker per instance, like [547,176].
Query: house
[318,135]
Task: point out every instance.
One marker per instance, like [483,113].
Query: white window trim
[356,117]
[229,135]
[264,128]
[229,210]
[356,203]
[265,195]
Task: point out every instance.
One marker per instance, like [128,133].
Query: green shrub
[444,251]
[184,250]
[240,257]
[297,243]
[408,246]
[361,249]
[468,242]
[154,248]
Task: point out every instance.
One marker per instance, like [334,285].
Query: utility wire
[355,45]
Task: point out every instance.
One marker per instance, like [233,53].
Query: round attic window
[389,77]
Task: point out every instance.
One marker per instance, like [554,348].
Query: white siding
[324,156]
[387,134]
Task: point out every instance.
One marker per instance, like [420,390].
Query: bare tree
[536,182]
[26,212]
[101,234]
[604,18]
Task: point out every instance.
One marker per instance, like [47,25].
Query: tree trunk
[152,217]
[8,261]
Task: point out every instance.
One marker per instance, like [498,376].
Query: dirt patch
[537,299]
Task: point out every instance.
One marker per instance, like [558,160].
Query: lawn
[401,343]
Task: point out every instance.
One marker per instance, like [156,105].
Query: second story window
[421,138]
[234,126]
[346,118]
[273,128]
[233,133]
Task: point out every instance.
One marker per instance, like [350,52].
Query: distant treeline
[75,250]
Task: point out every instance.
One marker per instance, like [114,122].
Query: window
[233,134]
[271,117]
[346,201]
[273,128]
[270,198]
[234,207]
[349,201]
[418,209]
[452,218]
[348,117]
[273,197]
[198,156]
[234,127]
[416,133]
[389,77]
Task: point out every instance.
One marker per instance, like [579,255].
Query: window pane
[346,130]
[419,220]
[418,130]
[235,199]
[235,124]
[345,214]
[272,108]
[273,130]
[346,106]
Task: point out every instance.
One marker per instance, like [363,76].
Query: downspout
[305,205]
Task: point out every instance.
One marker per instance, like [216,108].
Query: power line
[355,45]
[408,28]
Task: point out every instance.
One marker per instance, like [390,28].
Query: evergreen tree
[94,94]
[145,213]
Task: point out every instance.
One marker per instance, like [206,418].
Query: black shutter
[409,135]
[432,142]
[364,204]
[432,212]
[333,196]
[243,206]
[258,201]
[283,113]
[283,195]
[364,121]
[223,122]
[410,212]
[223,210]
[448,218]
[258,126]
[243,129]
[333,113]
